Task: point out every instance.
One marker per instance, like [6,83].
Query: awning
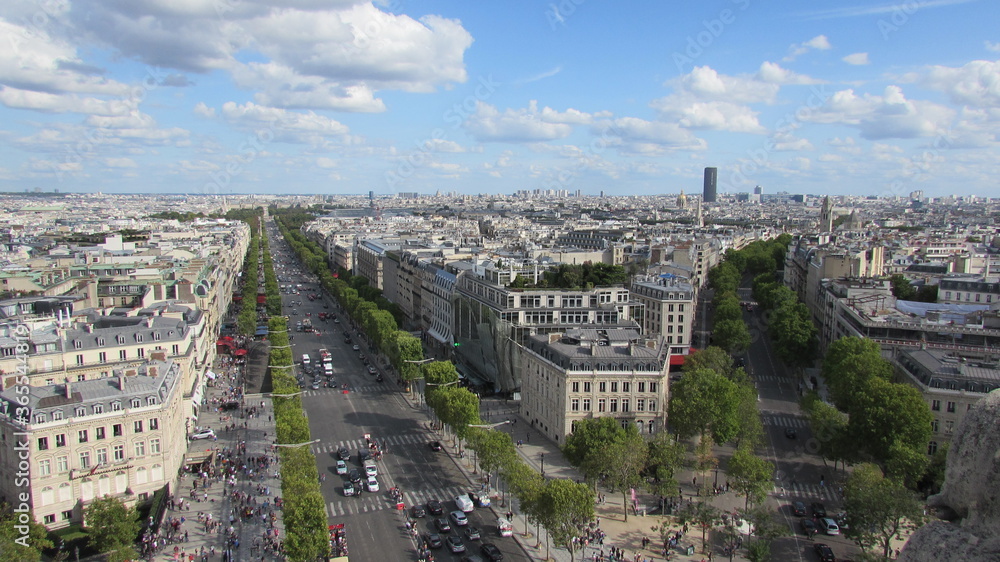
[210,375]
[240,352]
[677,359]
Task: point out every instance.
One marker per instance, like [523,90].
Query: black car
[354,476]
[818,509]
[455,544]
[435,445]
[442,525]
[824,552]
[418,511]
[363,455]
[491,552]
[343,454]
[798,509]
[472,533]
[790,432]
[433,540]
[477,500]
[808,527]
[434,507]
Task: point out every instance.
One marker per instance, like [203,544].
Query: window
[140,448]
[100,341]
[57,415]
[575,405]
[949,426]
[84,459]
[586,387]
[67,515]
[40,418]
[640,404]
[44,467]
[934,426]
[601,404]
[680,308]
[652,405]
[119,452]
[586,404]
[137,426]
[141,352]
[951,407]
[135,403]
[154,424]
[932,447]
[602,386]
[652,387]
[102,456]
[122,354]
[62,464]
[61,440]
[641,387]
[175,349]
[154,446]
[116,406]
[614,404]
[576,386]
[83,436]
[79,359]
[625,404]
[626,387]
[43,443]
[99,433]
[49,519]
[936,405]
[102,357]
[80,412]
[81,378]
[116,430]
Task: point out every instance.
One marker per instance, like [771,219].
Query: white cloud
[704,82]
[820,42]
[992,46]
[890,115]
[977,83]
[857,59]
[204,111]
[284,125]
[520,125]
[892,8]
[60,103]
[772,73]
[120,163]
[639,135]
[540,76]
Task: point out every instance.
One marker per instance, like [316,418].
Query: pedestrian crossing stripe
[326,391]
[388,442]
[380,501]
[785,421]
[794,491]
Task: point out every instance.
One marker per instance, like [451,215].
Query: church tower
[682,201]
[826,216]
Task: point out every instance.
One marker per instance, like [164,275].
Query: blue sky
[628,97]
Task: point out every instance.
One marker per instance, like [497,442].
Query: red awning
[677,359]
[240,352]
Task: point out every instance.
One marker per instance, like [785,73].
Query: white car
[204,434]
[341,467]
[305,358]
[464,503]
[371,469]
[372,484]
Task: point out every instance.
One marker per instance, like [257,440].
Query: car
[363,455]
[370,468]
[433,540]
[203,434]
[435,445]
[464,503]
[418,511]
[354,476]
[343,454]
[315,385]
[372,484]
[434,507]
[829,526]
[824,552]
[791,433]
[798,509]
[455,544]
[442,525]
[473,533]
[305,358]
[341,467]
[348,489]
[459,518]
[818,509]
[356,347]
[371,370]
[479,500]
[841,519]
[347,340]
[808,527]
[491,552]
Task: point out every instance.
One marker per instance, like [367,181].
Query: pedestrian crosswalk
[325,391]
[769,378]
[785,421]
[387,443]
[797,491]
[380,501]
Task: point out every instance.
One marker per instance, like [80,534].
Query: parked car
[824,552]
[203,434]
[808,527]
[829,526]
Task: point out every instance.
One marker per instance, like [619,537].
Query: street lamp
[542,457]
[289,445]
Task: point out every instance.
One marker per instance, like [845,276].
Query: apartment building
[585,373]
[668,309]
[969,289]
[123,435]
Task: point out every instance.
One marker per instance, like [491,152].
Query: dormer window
[121,339]
[151,401]
[40,418]
[135,403]
[100,341]
[57,415]
[138,337]
[156,336]
[77,344]
[80,412]
[98,408]
[116,406]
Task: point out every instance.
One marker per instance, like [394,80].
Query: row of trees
[790,325]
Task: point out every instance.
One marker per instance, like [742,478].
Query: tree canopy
[704,402]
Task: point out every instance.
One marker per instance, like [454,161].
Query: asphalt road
[342,417]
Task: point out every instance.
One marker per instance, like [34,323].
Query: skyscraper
[711,178]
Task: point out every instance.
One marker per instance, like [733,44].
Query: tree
[883,413]
[584,447]
[437,373]
[906,464]
[829,428]
[17,545]
[702,514]
[704,402]
[750,475]
[625,459]
[879,508]
[494,449]
[849,364]
[664,457]
[712,357]
[112,526]
[731,335]
[902,288]
[567,507]
[794,334]
[759,551]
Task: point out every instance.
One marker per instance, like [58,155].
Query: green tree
[750,475]
[879,507]
[437,373]
[17,545]
[584,447]
[902,288]
[849,364]
[112,526]
[906,464]
[701,514]
[567,508]
[494,449]
[759,551]
[625,458]
[712,357]
[794,334]
[704,402]
[829,428]
[883,413]
[731,335]
[664,459]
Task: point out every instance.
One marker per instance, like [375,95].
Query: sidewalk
[241,493]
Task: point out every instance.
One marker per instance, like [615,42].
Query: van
[328,369]
[464,503]
[305,358]
[829,526]
[504,527]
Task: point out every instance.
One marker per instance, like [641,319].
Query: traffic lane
[481,518]
[373,535]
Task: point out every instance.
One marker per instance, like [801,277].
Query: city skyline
[347,97]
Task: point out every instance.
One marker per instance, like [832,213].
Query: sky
[849,97]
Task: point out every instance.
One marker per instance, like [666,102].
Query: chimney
[88,327]
[593,348]
[631,348]
[149,321]
[121,383]
[68,389]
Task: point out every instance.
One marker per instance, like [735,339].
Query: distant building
[668,310]
[592,373]
[826,216]
[711,183]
